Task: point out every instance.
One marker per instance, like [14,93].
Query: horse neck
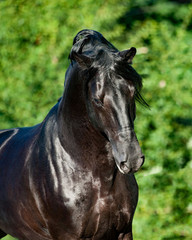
[77,135]
[72,109]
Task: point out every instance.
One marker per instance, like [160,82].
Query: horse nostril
[124,166]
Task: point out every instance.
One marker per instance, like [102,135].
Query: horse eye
[97,102]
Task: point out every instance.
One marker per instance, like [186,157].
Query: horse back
[15,142]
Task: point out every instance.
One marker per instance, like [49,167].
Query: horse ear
[83,61]
[128,55]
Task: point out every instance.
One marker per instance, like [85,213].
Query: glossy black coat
[72,176]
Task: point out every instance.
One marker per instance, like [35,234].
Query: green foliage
[36,37]
[8,238]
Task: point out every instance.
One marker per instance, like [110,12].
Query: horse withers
[71,177]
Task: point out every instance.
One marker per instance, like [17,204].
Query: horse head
[113,86]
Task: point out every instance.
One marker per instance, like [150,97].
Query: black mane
[94,45]
[124,70]
[90,42]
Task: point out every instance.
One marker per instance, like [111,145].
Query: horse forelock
[111,66]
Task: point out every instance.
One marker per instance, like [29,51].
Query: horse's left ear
[128,55]
[83,61]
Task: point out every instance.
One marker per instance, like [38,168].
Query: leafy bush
[36,37]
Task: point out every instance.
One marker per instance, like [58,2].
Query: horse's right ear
[128,55]
[83,61]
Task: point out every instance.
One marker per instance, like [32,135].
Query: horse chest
[95,209]
[111,211]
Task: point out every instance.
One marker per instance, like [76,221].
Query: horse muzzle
[128,166]
[127,154]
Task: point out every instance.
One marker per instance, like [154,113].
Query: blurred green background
[35,40]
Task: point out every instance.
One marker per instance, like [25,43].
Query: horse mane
[93,44]
[90,42]
[126,71]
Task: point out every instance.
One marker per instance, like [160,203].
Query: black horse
[72,176]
